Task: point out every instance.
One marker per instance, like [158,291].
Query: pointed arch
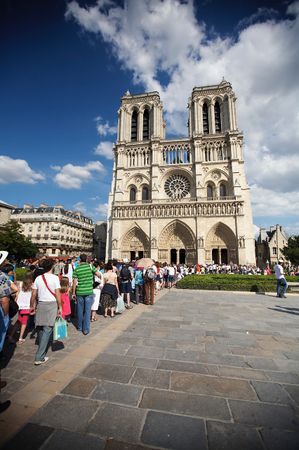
[177,235]
[135,239]
[221,240]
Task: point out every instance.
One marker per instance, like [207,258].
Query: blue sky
[65,65]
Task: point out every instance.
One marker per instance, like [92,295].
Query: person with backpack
[125,277]
[149,285]
[139,284]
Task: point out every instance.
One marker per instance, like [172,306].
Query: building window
[205,118]
[274,251]
[146,125]
[222,190]
[133,194]
[217,118]
[145,193]
[210,191]
[134,126]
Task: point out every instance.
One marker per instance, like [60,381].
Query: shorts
[23,316]
[126,287]
[171,278]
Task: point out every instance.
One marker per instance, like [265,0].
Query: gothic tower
[180,200]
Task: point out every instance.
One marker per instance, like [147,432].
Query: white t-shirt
[23,299]
[171,271]
[278,271]
[43,293]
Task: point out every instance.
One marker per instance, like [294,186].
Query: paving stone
[261,363]
[109,358]
[263,415]
[271,392]
[238,372]
[146,351]
[228,436]
[163,343]
[119,422]
[148,363]
[222,334]
[180,366]
[151,377]
[181,355]
[219,349]
[202,384]
[31,437]
[117,393]
[294,392]
[81,387]
[117,348]
[173,323]
[111,372]
[138,332]
[65,412]
[280,439]
[187,404]
[283,377]
[62,440]
[112,444]
[174,432]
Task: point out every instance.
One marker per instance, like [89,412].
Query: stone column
[212,118]
[140,126]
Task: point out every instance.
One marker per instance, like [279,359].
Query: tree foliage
[291,252]
[15,243]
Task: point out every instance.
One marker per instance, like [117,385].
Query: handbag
[60,329]
[13,307]
[120,305]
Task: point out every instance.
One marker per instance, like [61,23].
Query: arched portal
[177,243]
[135,244]
[221,245]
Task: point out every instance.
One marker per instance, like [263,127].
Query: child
[23,301]
[65,298]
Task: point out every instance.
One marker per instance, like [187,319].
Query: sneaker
[38,363]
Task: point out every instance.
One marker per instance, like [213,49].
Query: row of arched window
[205,118]
[145,125]
[212,192]
[144,194]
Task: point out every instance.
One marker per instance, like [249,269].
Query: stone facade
[269,246]
[56,231]
[5,212]
[180,200]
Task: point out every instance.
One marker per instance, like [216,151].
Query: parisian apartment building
[55,230]
[182,200]
[5,212]
[269,245]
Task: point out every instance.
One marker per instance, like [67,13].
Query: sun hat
[3,256]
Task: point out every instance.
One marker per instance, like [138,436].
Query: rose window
[177,187]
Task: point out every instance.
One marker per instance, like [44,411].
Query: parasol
[145,262]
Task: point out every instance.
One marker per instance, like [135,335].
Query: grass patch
[250,283]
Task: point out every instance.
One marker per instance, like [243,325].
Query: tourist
[83,292]
[125,283]
[282,284]
[65,298]
[171,275]
[47,288]
[23,301]
[149,285]
[97,287]
[139,285]
[110,291]
[7,288]
[67,271]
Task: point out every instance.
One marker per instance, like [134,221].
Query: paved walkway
[199,370]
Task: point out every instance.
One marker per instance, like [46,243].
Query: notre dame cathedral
[180,200]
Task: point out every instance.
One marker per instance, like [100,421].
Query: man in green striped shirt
[83,277]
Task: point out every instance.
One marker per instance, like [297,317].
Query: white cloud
[104,129]
[80,206]
[261,62]
[102,210]
[17,171]
[72,177]
[104,149]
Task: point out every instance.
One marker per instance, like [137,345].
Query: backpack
[150,274]
[138,277]
[125,274]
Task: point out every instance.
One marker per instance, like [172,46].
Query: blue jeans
[4,324]
[84,304]
[44,334]
[282,285]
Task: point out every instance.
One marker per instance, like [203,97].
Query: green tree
[291,251]
[15,243]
